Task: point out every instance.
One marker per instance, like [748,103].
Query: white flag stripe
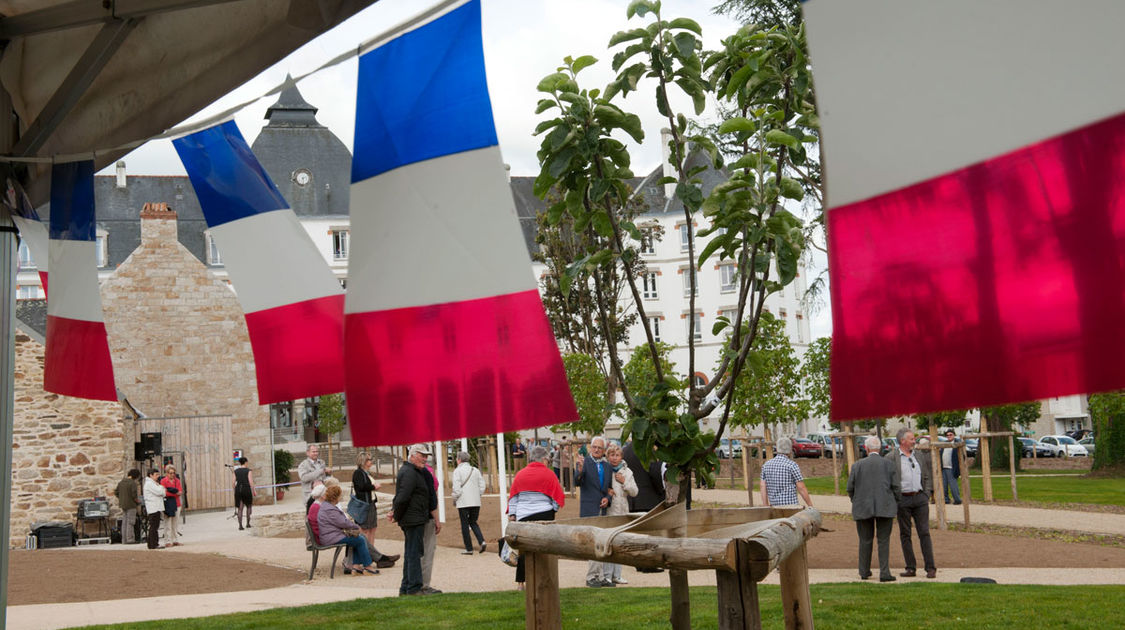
[35,234]
[74,286]
[272,261]
[415,244]
[908,90]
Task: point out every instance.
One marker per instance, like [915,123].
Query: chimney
[158,223]
[665,139]
[121,173]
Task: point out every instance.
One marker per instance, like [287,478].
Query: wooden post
[939,481]
[1012,465]
[738,596]
[986,467]
[835,467]
[747,480]
[849,445]
[768,443]
[542,592]
[680,617]
[966,484]
[795,599]
[573,467]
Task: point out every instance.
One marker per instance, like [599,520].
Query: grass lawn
[836,606]
[1036,488]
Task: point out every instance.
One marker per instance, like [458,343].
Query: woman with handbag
[362,509]
[335,527]
[468,485]
[173,488]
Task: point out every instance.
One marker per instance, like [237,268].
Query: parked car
[1088,444]
[889,444]
[827,441]
[727,450]
[803,447]
[1079,434]
[972,446]
[1029,444]
[1063,445]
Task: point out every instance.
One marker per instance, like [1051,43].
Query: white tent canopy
[86,75]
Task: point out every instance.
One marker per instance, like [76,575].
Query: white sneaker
[620,580]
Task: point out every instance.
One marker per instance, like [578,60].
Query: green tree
[588,386]
[331,416]
[763,72]
[768,390]
[779,13]
[815,377]
[1108,413]
[1003,418]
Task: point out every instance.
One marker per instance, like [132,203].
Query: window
[731,314]
[781,313]
[25,256]
[28,292]
[695,327]
[685,237]
[648,241]
[100,249]
[340,244]
[281,415]
[213,255]
[654,326]
[728,280]
[686,273]
[699,379]
[648,279]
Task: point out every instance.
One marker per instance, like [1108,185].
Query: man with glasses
[917,485]
[592,476]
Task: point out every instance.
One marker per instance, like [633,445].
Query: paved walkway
[216,533]
[1090,522]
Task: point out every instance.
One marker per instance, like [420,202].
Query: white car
[1062,445]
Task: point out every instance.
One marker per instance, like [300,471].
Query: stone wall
[179,341]
[64,449]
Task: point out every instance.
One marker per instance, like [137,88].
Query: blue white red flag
[975,161]
[77,359]
[33,231]
[445,333]
[294,305]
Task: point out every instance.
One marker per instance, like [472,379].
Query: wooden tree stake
[985,454]
[795,598]
[939,481]
[1012,466]
[966,485]
[738,596]
[542,592]
[680,617]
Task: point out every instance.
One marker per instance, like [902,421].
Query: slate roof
[32,314]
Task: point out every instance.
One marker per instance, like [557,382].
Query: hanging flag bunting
[293,303]
[77,359]
[976,215]
[445,332]
[33,231]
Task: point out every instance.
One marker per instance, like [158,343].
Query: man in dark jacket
[873,490]
[650,481]
[593,480]
[128,497]
[414,504]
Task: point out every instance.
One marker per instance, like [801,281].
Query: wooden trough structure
[741,545]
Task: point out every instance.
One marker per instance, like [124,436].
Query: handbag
[357,509]
[170,506]
[509,555]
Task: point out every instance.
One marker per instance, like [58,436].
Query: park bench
[315,547]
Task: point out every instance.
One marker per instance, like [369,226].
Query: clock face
[302,177]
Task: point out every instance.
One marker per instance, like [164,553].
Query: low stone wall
[269,525]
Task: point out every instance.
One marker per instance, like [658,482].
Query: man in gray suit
[916,486]
[872,488]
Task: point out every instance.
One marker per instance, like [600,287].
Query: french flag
[32,229]
[77,360]
[975,161]
[445,333]
[294,305]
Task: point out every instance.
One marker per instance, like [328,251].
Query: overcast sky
[524,40]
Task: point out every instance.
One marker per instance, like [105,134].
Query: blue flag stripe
[423,95]
[227,177]
[72,201]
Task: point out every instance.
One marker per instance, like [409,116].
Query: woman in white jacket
[623,486]
[154,494]
[468,485]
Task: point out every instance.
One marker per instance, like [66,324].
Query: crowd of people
[609,478]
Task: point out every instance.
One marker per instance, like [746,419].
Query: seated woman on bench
[336,527]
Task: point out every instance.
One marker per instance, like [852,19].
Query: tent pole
[8,249]
[503,483]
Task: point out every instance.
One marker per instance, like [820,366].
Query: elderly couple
[605,482]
